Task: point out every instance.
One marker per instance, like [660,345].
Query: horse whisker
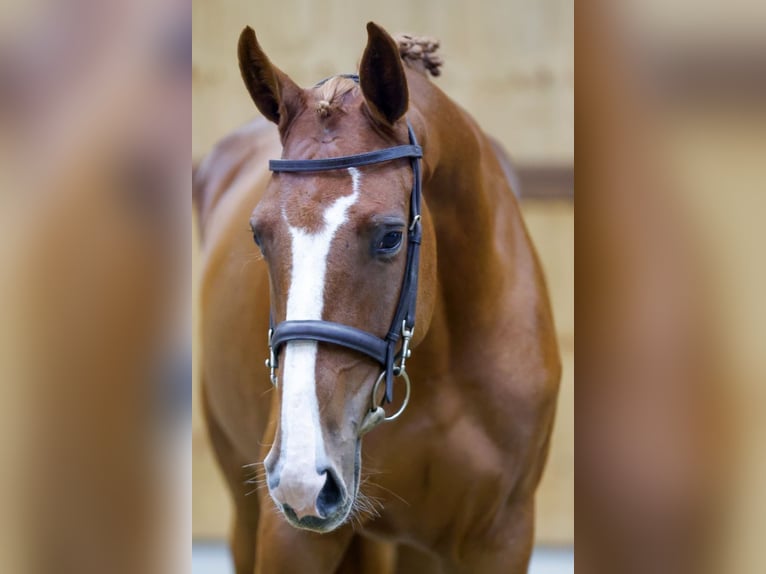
[391,492]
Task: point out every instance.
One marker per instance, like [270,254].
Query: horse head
[336,245]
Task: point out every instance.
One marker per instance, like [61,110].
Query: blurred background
[510,64]
[95,325]
[670,137]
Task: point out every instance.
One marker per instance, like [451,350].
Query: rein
[382,350]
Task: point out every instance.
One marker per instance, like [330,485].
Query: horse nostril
[272,479]
[330,497]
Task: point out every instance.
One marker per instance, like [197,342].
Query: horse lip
[315,523]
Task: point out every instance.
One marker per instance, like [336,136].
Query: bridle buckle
[271,362]
[406,352]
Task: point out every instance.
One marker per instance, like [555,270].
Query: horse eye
[389,242]
[257,239]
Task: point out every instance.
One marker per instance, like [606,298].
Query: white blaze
[302,440]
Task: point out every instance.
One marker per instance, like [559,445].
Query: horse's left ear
[381,76]
[274,93]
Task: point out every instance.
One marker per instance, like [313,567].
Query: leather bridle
[387,351]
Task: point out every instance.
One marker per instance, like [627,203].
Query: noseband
[387,351]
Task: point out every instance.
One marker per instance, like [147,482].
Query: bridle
[383,350]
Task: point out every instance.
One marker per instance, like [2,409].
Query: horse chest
[441,477]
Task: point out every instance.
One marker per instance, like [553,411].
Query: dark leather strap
[346,161]
[329,332]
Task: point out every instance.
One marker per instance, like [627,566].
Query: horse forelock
[329,95]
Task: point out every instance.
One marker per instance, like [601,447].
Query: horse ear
[381,76]
[274,93]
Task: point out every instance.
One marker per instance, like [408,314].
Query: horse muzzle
[317,501]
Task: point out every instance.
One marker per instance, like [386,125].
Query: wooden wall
[509,62]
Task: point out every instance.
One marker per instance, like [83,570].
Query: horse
[340,246]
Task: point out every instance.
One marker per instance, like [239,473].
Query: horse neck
[479,232]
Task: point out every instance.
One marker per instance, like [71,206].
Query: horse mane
[419,53]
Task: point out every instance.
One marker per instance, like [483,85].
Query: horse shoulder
[240,152]
[234,281]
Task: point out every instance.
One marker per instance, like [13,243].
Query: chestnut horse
[449,486]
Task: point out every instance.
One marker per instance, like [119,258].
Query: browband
[346,161]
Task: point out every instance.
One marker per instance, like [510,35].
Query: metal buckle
[406,352]
[271,362]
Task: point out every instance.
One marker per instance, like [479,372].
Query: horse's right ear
[274,93]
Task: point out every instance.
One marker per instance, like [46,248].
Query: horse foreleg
[410,560]
[245,503]
[283,549]
[506,549]
[368,556]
